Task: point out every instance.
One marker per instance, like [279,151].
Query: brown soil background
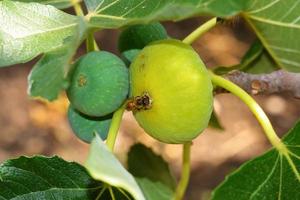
[29,127]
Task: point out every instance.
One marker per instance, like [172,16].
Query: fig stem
[185,172]
[200,31]
[114,127]
[91,44]
[77,7]
[255,109]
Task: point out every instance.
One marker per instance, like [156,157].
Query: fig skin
[99,84]
[84,127]
[180,89]
[138,36]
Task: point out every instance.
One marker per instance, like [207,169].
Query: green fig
[171,91]
[85,127]
[138,36]
[99,84]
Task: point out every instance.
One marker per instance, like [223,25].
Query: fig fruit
[85,127]
[138,36]
[171,91]
[99,84]
[129,55]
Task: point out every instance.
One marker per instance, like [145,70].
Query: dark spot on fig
[81,80]
[142,66]
[139,101]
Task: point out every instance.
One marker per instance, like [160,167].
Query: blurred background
[29,127]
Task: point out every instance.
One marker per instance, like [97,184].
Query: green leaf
[56,64]
[143,162]
[154,190]
[277,24]
[46,178]
[29,29]
[60,4]
[214,122]
[262,64]
[118,13]
[104,166]
[270,176]
[255,61]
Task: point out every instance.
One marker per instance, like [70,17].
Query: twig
[275,82]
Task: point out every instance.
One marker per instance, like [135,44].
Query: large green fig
[171,91]
[99,84]
[138,36]
[85,127]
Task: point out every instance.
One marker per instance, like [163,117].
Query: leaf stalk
[255,109]
[77,7]
[200,31]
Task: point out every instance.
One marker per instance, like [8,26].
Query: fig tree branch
[276,82]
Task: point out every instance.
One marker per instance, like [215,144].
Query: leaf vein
[107,6]
[61,174]
[275,23]
[280,179]
[265,7]
[266,180]
[135,7]
[284,49]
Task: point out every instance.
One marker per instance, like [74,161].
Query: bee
[143,102]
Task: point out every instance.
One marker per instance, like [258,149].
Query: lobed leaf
[277,25]
[270,176]
[118,13]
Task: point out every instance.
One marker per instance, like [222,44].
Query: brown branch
[275,82]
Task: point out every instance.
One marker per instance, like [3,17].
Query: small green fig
[99,84]
[171,91]
[85,127]
[129,55]
[138,36]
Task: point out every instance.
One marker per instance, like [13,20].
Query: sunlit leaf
[104,166]
[60,4]
[29,29]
